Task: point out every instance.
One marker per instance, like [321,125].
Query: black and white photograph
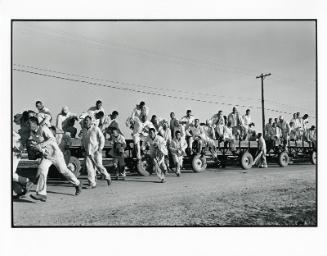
[164,123]
[170,127]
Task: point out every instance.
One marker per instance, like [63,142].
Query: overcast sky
[215,61]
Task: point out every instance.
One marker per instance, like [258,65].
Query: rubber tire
[283,159]
[73,161]
[142,167]
[246,161]
[313,157]
[199,163]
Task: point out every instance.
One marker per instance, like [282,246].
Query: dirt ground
[217,197]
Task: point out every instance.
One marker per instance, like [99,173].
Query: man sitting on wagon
[140,129]
[64,120]
[113,124]
[251,132]
[177,149]
[293,132]
[228,136]
[198,135]
[101,121]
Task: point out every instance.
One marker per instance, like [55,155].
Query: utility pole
[262,76]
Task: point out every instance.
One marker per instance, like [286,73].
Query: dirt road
[222,197]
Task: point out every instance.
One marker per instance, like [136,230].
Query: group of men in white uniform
[49,144]
[174,138]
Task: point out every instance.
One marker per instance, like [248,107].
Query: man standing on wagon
[235,121]
[187,121]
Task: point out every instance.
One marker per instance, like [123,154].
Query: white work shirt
[46,141]
[93,140]
[189,121]
[166,134]
[160,142]
[197,131]
[228,133]
[62,120]
[216,120]
[138,112]
[95,110]
[178,147]
[246,120]
[141,128]
[234,119]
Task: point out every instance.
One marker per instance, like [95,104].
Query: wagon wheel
[283,159]
[199,163]
[74,166]
[313,157]
[143,166]
[246,160]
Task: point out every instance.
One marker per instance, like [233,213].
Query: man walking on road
[44,141]
[93,142]
[177,149]
[158,151]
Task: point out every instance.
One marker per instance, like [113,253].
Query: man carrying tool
[43,140]
[93,142]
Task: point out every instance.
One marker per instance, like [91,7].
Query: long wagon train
[244,153]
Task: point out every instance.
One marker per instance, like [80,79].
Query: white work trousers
[15,176]
[59,162]
[92,163]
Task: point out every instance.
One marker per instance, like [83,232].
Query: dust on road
[222,197]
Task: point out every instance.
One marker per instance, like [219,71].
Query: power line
[178,59]
[154,88]
[140,91]
[133,84]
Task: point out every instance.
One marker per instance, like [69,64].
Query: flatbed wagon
[244,153]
